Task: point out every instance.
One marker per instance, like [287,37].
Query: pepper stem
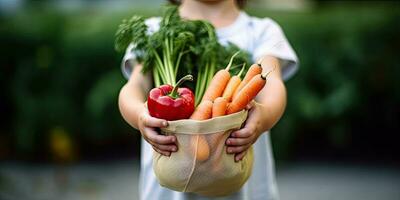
[174,93]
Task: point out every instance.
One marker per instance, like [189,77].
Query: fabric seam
[193,165]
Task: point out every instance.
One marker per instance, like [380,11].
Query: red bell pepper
[171,103]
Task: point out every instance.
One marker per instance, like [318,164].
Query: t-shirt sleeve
[129,60]
[272,41]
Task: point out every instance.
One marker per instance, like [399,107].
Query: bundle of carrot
[227,95]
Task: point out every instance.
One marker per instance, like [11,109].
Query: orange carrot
[203,111]
[218,82]
[203,151]
[248,93]
[253,71]
[233,83]
[219,107]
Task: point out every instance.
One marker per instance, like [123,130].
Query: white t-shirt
[260,37]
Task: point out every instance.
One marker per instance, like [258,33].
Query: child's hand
[161,143]
[240,140]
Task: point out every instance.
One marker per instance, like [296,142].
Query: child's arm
[264,113]
[131,105]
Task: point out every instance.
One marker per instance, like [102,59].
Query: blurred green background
[60,78]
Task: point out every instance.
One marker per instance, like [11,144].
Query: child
[264,39]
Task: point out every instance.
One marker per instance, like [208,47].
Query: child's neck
[219,13]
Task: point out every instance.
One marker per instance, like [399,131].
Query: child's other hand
[242,139]
[148,125]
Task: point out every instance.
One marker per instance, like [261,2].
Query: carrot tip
[260,61]
[265,75]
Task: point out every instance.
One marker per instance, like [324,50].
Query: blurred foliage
[59,71]
[344,99]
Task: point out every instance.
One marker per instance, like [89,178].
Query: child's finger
[242,133]
[169,148]
[250,105]
[238,141]
[154,122]
[165,153]
[237,149]
[240,156]
[156,138]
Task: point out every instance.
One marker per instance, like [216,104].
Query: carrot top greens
[178,48]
